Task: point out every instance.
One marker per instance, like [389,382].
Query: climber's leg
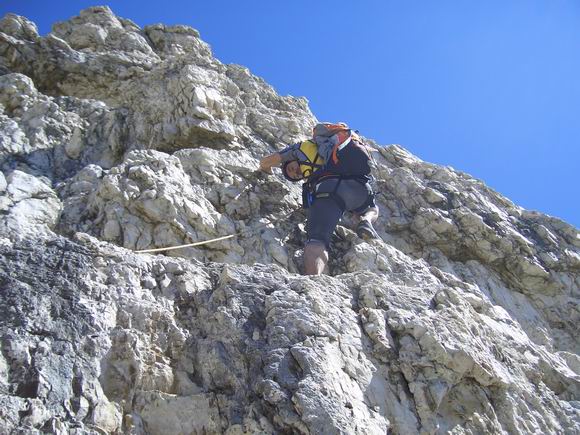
[315,257]
[364,221]
[323,215]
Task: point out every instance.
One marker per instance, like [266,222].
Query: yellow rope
[188,245]
[205,242]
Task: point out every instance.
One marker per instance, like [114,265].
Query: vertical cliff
[115,138]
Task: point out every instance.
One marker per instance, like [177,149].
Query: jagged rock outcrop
[115,138]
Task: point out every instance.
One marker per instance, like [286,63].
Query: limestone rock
[113,139]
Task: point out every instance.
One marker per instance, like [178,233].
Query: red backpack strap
[343,138]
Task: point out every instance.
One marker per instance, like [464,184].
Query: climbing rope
[205,242]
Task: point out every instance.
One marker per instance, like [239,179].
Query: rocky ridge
[115,138]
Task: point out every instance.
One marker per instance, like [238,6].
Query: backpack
[330,136]
[342,151]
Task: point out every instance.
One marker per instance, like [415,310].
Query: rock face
[114,139]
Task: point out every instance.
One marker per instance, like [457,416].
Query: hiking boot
[366,231]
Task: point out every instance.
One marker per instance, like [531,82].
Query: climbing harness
[309,193]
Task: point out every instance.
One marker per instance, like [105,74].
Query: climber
[335,168]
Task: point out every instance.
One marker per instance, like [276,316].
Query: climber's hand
[267,162]
[266,169]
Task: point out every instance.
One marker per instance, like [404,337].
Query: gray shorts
[324,213]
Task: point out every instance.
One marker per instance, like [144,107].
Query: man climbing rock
[335,168]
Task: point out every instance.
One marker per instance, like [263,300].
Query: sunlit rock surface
[115,139]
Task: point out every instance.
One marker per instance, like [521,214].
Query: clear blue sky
[489,87]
